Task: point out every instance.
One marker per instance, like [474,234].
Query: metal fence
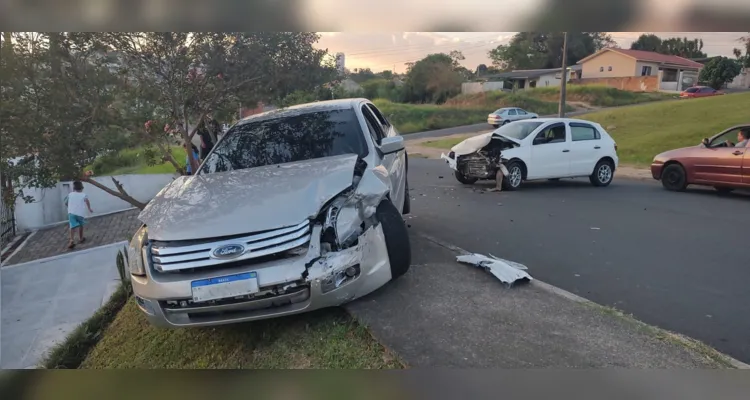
[7,221]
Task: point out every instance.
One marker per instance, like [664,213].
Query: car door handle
[738,153]
[597,147]
[566,151]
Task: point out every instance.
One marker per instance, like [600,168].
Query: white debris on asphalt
[508,272]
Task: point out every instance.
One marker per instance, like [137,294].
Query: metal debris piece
[508,272]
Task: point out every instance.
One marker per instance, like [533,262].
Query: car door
[746,165]
[512,115]
[522,114]
[717,163]
[394,163]
[550,153]
[706,91]
[585,148]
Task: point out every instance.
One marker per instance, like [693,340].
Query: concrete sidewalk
[44,300]
[445,314]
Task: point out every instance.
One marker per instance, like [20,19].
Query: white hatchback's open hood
[249,200]
[476,143]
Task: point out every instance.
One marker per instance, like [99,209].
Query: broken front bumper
[288,286]
[474,165]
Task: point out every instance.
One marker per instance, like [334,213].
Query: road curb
[59,256]
[571,296]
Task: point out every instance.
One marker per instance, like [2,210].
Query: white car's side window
[521,112]
[552,134]
[581,132]
[512,112]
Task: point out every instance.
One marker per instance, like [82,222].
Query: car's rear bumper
[493,121]
[288,286]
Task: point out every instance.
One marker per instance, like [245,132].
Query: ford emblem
[229,251]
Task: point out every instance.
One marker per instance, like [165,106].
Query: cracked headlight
[136,263]
[343,223]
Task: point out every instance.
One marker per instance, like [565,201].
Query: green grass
[323,339]
[644,131]
[444,144]
[134,161]
[473,108]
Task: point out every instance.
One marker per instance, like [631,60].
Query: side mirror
[392,144]
[705,142]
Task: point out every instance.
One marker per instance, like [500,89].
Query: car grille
[176,256]
[474,165]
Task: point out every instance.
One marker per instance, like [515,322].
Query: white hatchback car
[544,148]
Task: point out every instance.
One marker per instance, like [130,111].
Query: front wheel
[603,174]
[515,176]
[464,179]
[673,178]
[396,238]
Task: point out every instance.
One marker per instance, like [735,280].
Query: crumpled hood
[476,143]
[244,201]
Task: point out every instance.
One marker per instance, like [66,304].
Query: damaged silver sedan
[293,210]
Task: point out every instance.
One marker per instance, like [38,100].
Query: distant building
[340,62]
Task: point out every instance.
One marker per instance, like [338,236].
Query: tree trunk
[120,193]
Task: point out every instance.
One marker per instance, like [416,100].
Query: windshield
[518,130]
[692,90]
[287,138]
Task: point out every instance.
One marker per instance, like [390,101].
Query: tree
[79,90]
[433,79]
[647,42]
[719,71]
[682,47]
[360,75]
[539,50]
[744,60]
[58,113]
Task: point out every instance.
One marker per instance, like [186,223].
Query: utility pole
[563,76]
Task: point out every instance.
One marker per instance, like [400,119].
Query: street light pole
[563,76]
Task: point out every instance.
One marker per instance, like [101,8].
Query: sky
[386,50]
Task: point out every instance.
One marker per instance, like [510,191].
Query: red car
[722,161]
[699,91]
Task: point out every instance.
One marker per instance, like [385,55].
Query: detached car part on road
[712,163]
[293,210]
[544,148]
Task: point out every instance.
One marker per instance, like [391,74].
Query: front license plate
[225,287]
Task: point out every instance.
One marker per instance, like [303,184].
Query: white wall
[48,206]
[478,87]
[741,81]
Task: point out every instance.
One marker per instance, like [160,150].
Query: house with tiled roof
[639,70]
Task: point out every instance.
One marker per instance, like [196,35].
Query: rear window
[692,90]
[287,138]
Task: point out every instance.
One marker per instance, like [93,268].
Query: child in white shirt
[77,203]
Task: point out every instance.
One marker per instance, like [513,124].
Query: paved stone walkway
[99,231]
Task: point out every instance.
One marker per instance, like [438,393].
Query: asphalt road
[680,261]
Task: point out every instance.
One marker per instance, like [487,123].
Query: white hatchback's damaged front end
[328,258]
[479,157]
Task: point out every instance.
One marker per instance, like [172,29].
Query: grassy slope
[644,131]
[323,339]
[473,108]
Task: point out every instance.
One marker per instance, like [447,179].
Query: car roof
[327,105]
[558,119]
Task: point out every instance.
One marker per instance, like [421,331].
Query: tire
[724,190]
[603,173]
[554,179]
[673,178]
[396,238]
[515,176]
[506,122]
[495,126]
[407,200]
[466,181]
